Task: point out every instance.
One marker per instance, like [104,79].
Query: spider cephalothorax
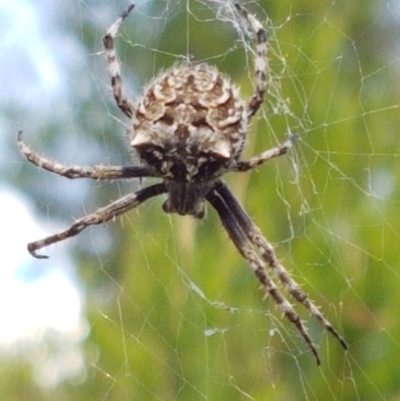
[189,128]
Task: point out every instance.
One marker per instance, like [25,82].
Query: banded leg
[239,238]
[95,173]
[255,236]
[261,61]
[101,216]
[255,161]
[114,67]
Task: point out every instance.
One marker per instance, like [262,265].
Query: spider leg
[114,68]
[255,161]
[255,236]
[95,173]
[261,61]
[101,216]
[239,237]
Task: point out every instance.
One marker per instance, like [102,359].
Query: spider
[189,128]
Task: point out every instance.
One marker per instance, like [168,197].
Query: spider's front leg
[114,68]
[261,60]
[101,216]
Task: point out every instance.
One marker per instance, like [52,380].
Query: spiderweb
[174,312]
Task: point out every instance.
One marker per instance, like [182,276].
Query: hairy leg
[255,161]
[239,238]
[255,236]
[261,60]
[109,212]
[95,173]
[114,67]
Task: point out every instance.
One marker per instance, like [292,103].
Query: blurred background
[162,307]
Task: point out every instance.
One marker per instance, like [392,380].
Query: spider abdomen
[190,124]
